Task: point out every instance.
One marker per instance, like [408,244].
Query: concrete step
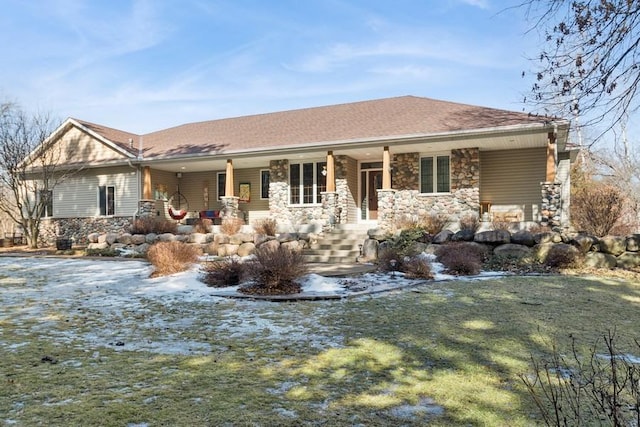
[332,259]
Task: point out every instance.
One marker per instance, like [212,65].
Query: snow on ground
[114,303]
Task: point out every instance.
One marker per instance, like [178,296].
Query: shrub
[599,388]
[502,225]
[470,222]
[203,225]
[274,271]
[231,225]
[171,257]
[597,208]
[461,259]
[417,268]
[266,226]
[390,258]
[406,222]
[563,256]
[222,273]
[153,224]
[433,223]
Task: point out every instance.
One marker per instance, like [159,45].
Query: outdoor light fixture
[324,171]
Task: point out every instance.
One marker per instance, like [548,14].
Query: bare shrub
[470,222]
[274,271]
[597,208]
[406,222]
[563,256]
[417,268]
[231,225]
[538,229]
[153,224]
[599,388]
[390,258]
[222,273]
[203,225]
[171,257]
[267,226]
[461,259]
[433,223]
[502,225]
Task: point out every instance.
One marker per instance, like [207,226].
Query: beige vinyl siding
[78,196]
[352,186]
[512,178]
[78,147]
[564,176]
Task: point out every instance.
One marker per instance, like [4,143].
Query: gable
[75,146]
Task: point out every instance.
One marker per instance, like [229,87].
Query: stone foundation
[79,228]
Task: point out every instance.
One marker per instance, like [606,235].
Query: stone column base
[230,207]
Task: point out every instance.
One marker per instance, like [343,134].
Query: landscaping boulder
[370,250]
[513,250]
[211,248]
[443,236]
[599,260]
[221,239]
[287,237]
[292,245]
[93,237]
[546,237]
[151,238]
[541,251]
[583,242]
[377,234]
[124,238]
[633,243]
[185,229]
[523,237]
[198,238]
[142,248]
[614,245]
[98,246]
[464,235]
[246,249]
[138,239]
[167,237]
[228,250]
[110,238]
[240,238]
[629,260]
[184,238]
[270,244]
[494,237]
[259,239]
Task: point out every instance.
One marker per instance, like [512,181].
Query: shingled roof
[359,121]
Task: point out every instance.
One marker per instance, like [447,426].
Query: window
[107,202]
[46,196]
[434,174]
[306,182]
[264,184]
[222,184]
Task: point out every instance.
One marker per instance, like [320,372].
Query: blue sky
[145,65]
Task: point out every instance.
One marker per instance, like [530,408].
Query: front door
[371,182]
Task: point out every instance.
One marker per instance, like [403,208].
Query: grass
[461,344]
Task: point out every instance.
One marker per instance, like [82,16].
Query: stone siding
[465,169]
[551,206]
[405,172]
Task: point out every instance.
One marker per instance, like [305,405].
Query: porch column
[331,173]
[146,186]
[228,189]
[386,169]
[551,157]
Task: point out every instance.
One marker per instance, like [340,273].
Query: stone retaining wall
[214,243]
[605,252]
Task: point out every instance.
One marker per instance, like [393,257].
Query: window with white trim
[46,197]
[306,182]
[107,200]
[265,178]
[222,184]
[434,174]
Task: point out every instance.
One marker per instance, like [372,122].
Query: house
[368,162]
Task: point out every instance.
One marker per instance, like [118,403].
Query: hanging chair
[178,206]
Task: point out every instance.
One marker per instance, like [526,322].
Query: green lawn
[446,353]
